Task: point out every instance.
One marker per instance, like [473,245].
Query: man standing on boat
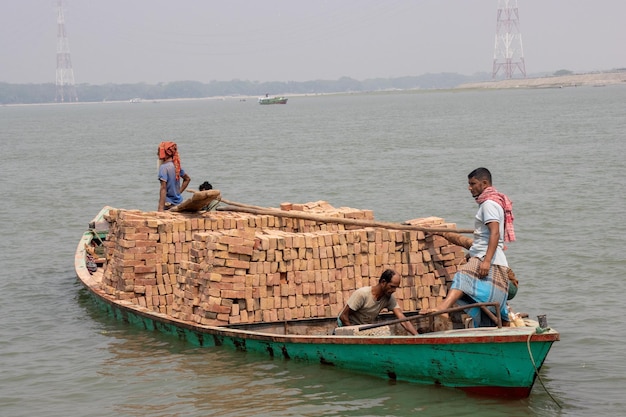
[170,173]
[367,302]
[484,278]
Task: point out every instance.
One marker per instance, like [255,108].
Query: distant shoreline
[572,80]
[596,79]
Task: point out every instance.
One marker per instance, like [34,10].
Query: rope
[530,353]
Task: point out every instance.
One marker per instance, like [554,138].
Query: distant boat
[135,100]
[273,100]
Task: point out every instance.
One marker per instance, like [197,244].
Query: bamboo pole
[457,239]
[483,306]
[246,208]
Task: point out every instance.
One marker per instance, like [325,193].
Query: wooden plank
[197,201]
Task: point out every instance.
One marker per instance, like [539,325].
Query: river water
[558,153]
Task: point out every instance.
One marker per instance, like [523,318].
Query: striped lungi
[492,288]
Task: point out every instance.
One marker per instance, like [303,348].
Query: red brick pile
[218,268]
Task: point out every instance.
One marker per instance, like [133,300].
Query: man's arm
[183,186]
[408,326]
[494,238]
[345,316]
[162,194]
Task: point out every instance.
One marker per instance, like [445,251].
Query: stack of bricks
[218,268]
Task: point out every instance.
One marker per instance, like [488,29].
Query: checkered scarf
[491,193]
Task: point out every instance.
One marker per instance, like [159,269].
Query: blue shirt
[167,173]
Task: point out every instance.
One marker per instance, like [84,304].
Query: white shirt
[489,211]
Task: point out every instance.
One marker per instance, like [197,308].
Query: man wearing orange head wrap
[170,174]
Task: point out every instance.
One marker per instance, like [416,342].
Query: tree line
[46,93]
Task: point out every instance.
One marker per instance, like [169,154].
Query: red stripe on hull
[513,393]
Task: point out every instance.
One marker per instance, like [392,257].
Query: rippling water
[558,153]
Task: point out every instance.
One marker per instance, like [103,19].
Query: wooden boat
[273,100]
[495,361]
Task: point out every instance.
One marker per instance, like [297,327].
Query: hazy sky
[128,41]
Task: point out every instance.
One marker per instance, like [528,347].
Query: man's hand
[483,268]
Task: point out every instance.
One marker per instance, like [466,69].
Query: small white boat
[273,100]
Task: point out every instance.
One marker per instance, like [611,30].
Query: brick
[293,268]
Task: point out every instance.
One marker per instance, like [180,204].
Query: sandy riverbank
[573,80]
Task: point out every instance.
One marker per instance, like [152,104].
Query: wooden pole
[483,306]
[245,208]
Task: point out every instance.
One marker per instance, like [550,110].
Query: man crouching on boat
[367,302]
[170,173]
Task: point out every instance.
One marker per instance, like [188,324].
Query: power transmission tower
[66,90]
[508,55]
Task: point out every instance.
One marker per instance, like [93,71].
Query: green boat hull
[489,367]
